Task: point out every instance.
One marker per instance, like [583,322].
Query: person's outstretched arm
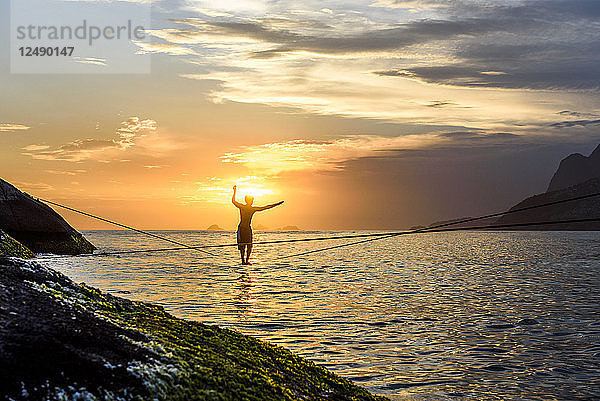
[236,203]
[261,208]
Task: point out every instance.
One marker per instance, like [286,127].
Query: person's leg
[248,251]
[242,252]
[239,241]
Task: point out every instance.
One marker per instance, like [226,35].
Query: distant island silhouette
[289,228]
[259,227]
[215,227]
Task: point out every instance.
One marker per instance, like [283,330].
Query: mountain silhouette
[581,209]
[577,175]
[576,169]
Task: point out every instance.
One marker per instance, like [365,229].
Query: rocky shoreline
[66,341]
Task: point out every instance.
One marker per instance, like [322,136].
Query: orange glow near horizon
[417,114]
[219,190]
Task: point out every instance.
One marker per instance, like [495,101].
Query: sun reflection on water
[467,315]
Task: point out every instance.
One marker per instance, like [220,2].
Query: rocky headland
[576,176]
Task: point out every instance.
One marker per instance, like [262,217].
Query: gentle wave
[468,315]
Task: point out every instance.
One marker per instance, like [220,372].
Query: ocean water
[465,315]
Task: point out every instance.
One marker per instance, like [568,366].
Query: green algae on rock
[61,340]
[10,247]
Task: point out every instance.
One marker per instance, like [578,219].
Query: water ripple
[473,316]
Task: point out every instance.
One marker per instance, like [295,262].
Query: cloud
[35,148]
[110,1]
[439,66]
[163,48]
[65,172]
[349,89]
[547,45]
[79,150]
[286,35]
[8,127]
[576,119]
[409,4]
[155,166]
[33,186]
[90,60]
[272,159]
[576,123]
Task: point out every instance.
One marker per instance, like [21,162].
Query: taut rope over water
[127,227]
[444,227]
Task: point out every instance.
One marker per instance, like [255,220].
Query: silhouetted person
[244,232]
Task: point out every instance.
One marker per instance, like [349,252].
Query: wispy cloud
[577,123]
[90,60]
[155,166]
[79,150]
[35,148]
[164,48]
[33,186]
[9,127]
[65,172]
[275,158]
[409,4]
[340,87]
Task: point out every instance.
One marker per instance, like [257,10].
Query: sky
[377,114]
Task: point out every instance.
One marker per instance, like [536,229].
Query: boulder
[37,226]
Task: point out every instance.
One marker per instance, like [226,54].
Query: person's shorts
[244,236]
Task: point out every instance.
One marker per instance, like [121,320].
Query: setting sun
[253,186]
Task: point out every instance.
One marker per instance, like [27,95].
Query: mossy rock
[9,247]
[62,340]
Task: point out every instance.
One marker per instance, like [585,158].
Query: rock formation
[9,247]
[582,209]
[576,176]
[576,169]
[36,225]
[289,228]
[64,341]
